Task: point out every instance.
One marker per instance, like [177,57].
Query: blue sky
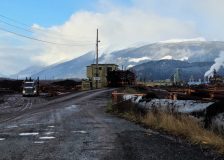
[47,12]
[43,12]
[122,24]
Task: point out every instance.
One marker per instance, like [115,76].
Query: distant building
[155,83]
[177,76]
[195,83]
[192,82]
[103,70]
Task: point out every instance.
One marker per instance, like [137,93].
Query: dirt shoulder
[182,131]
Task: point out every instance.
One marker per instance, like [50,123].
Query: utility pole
[97,56]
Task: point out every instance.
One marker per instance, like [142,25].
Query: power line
[44,41]
[26,25]
[13,20]
[17,26]
[31,31]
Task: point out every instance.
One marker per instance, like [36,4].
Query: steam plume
[219,62]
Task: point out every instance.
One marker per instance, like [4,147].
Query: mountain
[164,69]
[27,72]
[192,51]
[2,76]
[75,68]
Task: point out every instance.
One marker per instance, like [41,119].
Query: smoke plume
[219,62]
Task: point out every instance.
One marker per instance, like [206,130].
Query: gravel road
[76,127]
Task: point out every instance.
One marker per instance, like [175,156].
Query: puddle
[72,107]
[31,124]
[47,138]
[83,132]
[26,124]
[2,139]
[29,134]
[49,133]
[39,142]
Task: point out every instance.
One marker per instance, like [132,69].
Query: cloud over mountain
[121,26]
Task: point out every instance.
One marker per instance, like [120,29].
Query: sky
[71,25]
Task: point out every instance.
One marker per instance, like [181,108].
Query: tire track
[23,108]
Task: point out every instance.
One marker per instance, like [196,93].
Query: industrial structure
[216,79]
[98,80]
[106,75]
[176,78]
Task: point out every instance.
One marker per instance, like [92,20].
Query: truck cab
[30,88]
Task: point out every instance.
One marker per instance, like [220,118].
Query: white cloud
[119,28]
[14,58]
[210,14]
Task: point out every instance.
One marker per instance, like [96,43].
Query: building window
[109,68]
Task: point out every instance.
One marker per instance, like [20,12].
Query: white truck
[30,87]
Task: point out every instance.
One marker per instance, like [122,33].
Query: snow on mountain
[167,57]
[199,39]
[193,51]
[137,60]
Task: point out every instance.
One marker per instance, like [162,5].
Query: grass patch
[176,124]
[186,126]
[125,110]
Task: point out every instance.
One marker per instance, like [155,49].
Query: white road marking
[49,133]
[46,137]
[83,132]
[39,142]
[2,139]
[29,134]
[51,126]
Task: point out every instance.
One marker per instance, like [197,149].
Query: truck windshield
[28,84]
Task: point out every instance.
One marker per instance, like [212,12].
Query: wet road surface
[77,127]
